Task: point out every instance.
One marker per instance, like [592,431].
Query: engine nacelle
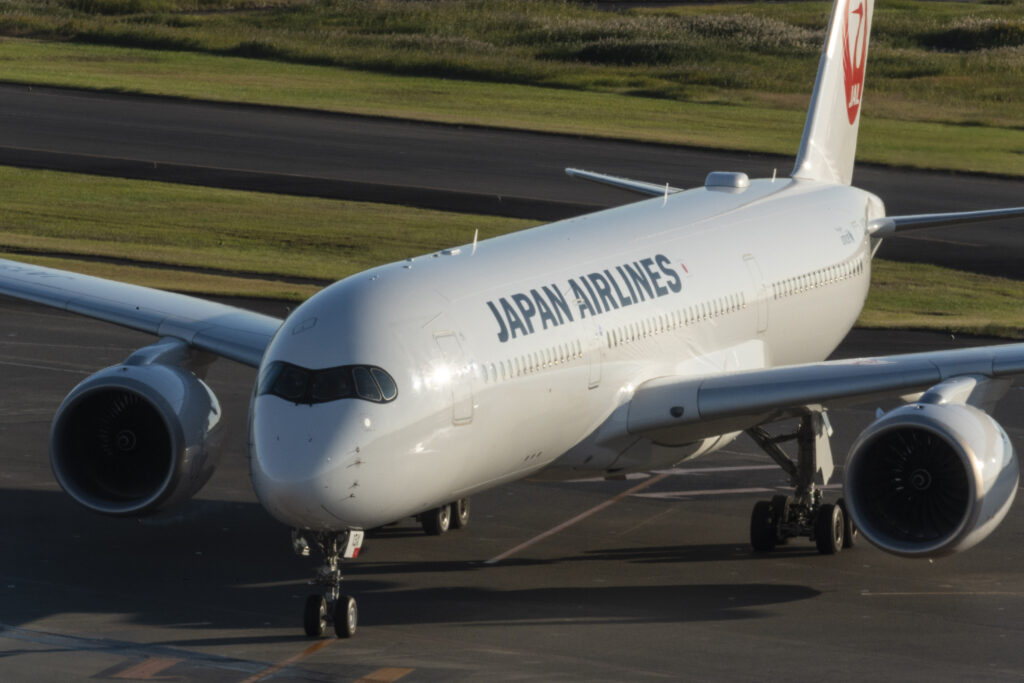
[134,438]
[930,479]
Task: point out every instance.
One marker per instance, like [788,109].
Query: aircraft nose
[302,463]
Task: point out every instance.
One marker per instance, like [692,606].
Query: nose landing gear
[803,514]
[330,606]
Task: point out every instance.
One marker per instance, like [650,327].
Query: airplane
[626,340]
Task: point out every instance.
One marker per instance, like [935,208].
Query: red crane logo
[855,56]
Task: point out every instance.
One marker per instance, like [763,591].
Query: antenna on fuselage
[664,200]
[476,234]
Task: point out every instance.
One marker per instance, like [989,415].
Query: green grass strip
[977,148]
[229,231]
[926,297]
[233,243]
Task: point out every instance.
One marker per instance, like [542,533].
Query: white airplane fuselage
[521,354]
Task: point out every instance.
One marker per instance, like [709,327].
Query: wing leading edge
[676,408]
[227,331]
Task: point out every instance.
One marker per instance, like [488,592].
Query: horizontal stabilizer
[890,225]
[651,189]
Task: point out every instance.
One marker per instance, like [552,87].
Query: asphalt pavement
[659,585]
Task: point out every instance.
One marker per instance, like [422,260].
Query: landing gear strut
[330,606]
[803,514]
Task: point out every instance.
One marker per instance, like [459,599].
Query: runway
[658,585]
[444,167]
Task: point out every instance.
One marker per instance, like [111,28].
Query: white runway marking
[42,367]
[714,470]
[683,471]
[578,518]
[671,495]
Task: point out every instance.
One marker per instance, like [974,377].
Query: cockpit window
[386,384]
[300,385]
[331,384]
[365,386]
[290,383]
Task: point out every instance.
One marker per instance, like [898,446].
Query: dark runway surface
[445,167]
[660,585]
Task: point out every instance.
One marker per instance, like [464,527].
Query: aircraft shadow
[227,565]
[612,604]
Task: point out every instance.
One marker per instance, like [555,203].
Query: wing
[230,332]
[673,409]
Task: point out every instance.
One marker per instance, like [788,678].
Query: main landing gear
[330,606]
[451,516]
[803,514]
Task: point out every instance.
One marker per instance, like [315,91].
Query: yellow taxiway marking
[146,670]
[578,518]
[386,675]
[271,670]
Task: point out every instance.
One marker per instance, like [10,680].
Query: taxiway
[659,585]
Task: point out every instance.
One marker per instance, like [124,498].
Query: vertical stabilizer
[830,134]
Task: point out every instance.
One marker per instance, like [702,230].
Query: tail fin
[830,135]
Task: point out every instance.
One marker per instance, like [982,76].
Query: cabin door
[460,376]
[760,300]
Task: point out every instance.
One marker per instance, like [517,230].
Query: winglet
[830,134]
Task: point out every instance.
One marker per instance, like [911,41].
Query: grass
[227,242]
[945,81]
[926,297]
[240,241]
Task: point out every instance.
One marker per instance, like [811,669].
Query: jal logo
[855,54]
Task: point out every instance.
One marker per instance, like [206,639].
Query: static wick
[476,234]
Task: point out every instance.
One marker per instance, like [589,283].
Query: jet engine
[930,479]
[136,437]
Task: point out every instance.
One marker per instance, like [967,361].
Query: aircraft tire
[460,513]
[762,527]
[437,521]
[346,616]
[780,510]
[829,529]
[850,532]
[315,617]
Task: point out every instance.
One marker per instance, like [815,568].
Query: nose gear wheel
[330,606]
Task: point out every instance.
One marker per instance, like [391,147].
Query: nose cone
[331,401]
[304,467]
